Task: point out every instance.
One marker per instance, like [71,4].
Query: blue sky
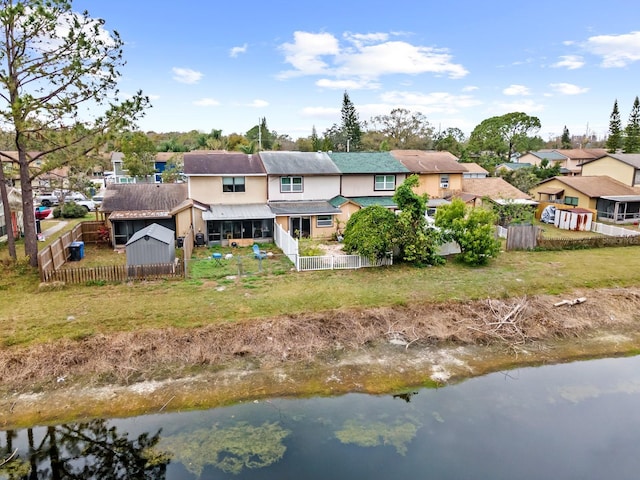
[209,64]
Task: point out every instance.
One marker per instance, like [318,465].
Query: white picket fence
[289,247]
[613,231]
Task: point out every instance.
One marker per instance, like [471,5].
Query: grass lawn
[216,293]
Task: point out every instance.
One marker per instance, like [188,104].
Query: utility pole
[259,134]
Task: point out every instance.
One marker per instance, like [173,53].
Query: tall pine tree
[350,124]
[632,137]
[614,141]
[565,141]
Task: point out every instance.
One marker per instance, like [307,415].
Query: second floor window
[385,182]
[233,184]
[290,184]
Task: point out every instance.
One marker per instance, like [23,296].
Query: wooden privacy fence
[54,256]
[115,273]
[522,237]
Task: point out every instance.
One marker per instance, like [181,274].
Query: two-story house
[234,187]
[440,173]
[624,167]
[299,186]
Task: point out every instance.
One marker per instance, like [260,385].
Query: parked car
[97,200]
[47,200]
[42,212]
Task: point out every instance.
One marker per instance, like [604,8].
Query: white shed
[575,219]
[152,245]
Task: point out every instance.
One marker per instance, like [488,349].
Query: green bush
[70,210]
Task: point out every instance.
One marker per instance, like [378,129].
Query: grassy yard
[217,293]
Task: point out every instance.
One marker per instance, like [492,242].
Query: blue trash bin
[76,251]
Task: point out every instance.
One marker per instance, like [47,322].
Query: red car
[42,212]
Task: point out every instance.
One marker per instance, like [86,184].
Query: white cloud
[186,75]
[470,88]
[615,50]
[206,102]
[365,58]
[512,90]
[568,89]
[305,53]
[257,103]
[347,84]
[235,51]
[570,62]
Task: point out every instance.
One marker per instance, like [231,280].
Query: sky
[209,64]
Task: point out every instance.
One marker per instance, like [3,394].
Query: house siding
[314,187]
[208,190]
[364,185]
[584,201]
[611,167]
[430,184]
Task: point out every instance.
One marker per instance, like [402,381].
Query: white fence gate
[289,247]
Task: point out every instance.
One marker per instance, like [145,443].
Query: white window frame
[291,186]
[384,182]
[323,221]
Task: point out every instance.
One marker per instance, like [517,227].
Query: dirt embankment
[336,351]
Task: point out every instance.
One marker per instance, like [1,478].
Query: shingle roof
[549,155]
[298,163]
[513,166]
[158,197]
[215,162]
[582,153]
[474,168]
[320,207]
[367,162]
[632,159]
[421,161]
[595,186]
[492,187]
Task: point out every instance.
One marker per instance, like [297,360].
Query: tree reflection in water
[90,450]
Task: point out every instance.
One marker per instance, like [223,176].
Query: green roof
[338,200]
[367,162]
[369,201]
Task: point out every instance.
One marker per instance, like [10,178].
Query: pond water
[571,421]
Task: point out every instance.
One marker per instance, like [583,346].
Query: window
[444,180]
[571,201]
[233,184]
[290,184]
[324,221]
[385,182]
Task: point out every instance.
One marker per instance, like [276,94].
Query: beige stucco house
[624,167]
[440,172]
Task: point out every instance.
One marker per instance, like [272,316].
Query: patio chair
[257,253]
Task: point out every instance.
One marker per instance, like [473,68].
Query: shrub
[71,210]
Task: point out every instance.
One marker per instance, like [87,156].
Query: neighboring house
[511,166]
[496,189]
[610,198]
[624,167]
[440,172]
[233,187]
[568,159]
[119,174]
[160,163]
[348,206]
[474,171]
[299,187]
[14,195]
[132,207]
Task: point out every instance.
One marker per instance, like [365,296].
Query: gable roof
[549,155]
[161,198]
[595,186]
[156,231]
[474,168]
[512,166]
[632,159]
[581,153]
[421,161]
[367,162]
[219,162]
[298,163]
[492,187]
